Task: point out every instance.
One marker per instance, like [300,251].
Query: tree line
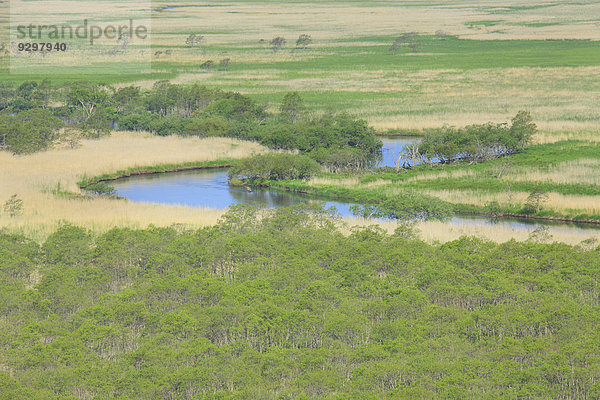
[167,109]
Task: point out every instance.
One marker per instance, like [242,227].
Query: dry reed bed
[442,232]
[32,177]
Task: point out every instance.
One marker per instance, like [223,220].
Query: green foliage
[479,142]
[292,107]
[101,189]
[523,128]
[535,200]
[303,41]
[274,167]
[13,206]
[276,304]
[407,206]
[493,209]
[340,141]
[214,126]
[28,131]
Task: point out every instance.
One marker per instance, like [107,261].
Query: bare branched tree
[277,43]
[303,41]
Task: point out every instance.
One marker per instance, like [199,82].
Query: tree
[292,107]
[405,39]
[523,128]
[29,131]
[101,189]
[126,97]
[190,40]
[43,93]
[224,64]
[534,201]
[89,98]
[277,43]
[414,46]
[13,206]
[303,41]
[207,65]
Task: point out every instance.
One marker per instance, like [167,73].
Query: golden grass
[236,22]
[442,232]
[31,177]
[556,201]
[582,171]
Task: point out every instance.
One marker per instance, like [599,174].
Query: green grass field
[469,62]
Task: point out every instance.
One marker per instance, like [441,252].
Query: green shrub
[28,131]
[274,167]
[479,142]
[13,206]
[101,189]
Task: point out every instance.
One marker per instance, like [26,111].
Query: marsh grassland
[472,61]
[43,181]
[106,298]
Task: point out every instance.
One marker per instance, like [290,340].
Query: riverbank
[210,188]
[39,179]
[551,182]
[348,194]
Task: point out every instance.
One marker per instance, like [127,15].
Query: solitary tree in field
[190,40]
[414,46]
[208,65]
[13,206]
[405,39]
[277,43]
[523,128]
[303,41]
[224,64]
[535,200]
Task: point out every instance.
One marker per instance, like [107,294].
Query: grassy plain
[498,57]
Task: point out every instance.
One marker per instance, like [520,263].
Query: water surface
[209,188]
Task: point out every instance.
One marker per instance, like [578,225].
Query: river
[209,188]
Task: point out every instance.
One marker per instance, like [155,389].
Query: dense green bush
[214,126]
[339,141]
[28,131]
[101,189]
[479,142]
[406,206]
[274,166]
[276,304]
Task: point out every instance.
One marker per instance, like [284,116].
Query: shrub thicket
[274,166]
[479,142]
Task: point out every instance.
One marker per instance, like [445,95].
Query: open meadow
[456,62]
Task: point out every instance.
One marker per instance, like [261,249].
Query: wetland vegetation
[267,305]
[108,298]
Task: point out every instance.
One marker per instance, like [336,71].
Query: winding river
[209,188]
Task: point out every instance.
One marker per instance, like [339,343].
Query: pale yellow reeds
[442,232]
[32,178]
